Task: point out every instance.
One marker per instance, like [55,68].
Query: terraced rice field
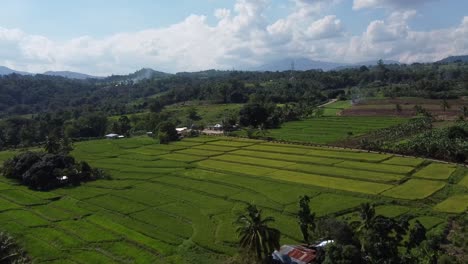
[387,107]
[330,129]
[176,203]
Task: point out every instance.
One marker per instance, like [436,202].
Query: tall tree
[306,218]
[445,105]
[256,236]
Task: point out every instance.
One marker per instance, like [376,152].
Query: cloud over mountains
[241,37]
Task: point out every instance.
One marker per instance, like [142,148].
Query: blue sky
[121,35]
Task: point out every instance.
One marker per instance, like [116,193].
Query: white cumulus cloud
[242,37]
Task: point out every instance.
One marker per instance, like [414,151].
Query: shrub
[10,252]
[45,171]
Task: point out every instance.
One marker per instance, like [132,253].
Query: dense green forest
[34,107]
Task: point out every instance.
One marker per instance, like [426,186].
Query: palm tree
[10,252]
[367,213]
[445,105]
[464,111]
[256,237]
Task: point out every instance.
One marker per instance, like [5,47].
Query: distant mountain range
[303,64]
[6,71]
[300,64]
[451,59]
[145,73]
[71,75]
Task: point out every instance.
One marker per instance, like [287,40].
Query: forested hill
[21,95]
[453,59]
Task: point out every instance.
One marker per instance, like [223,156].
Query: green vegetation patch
[52,213]
[348,173]
[21,198]
[464,181]
[7,205]
[234,167]
[347,155]
[379,167]
[125,227]
[25,218]
[278,149]
[87,231]
[181,157]
[286,157]
[230,143]
[200,185]
[116,203]
[415,189]
[427,221]
[129,253]
[57,238]
[90,256]
[330,182]
[164,221]
[331,129]
[404,161]
[453,204]
[328,203]
[436,171]
[254,161]
[391,210]
[200,152]
[215,148]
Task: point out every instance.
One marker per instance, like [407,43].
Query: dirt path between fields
[330,102]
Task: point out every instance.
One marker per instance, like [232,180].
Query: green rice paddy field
[176,203]
[329,129]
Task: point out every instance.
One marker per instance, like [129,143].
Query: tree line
[371,239]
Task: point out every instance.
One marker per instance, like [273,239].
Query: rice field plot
[231,143]
[330,182]
[453,204]
[335,108]
[25,217]
[52,213]
[21,198]
[427,221]
[404,161]
[378,167]
[387,106]
[436,171]
[7,205]
[286,157]
[145,197]
[86,231]
[128,253]
[204,201]
[204,235]
[163,221]
[146,235]
[391,210]
[234,167]
[464,181]
[116,203]
[415,189]
[331,129]
[254,161]
[346,173]
[279,192]
[319,152]
[182,157]
[199,152]
[218,189]
[328,203]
